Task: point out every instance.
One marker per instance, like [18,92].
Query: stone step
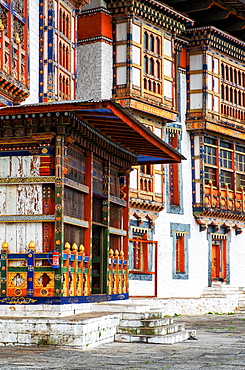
[83,331]
[145,315]
[125,306]
[153,339]
[148,323]
[213,295]
[160,330]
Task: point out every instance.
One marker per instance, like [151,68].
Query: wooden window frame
[180,234]
[140,263]
[229,169]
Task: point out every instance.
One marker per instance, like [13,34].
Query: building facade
[174,67]
[185,83]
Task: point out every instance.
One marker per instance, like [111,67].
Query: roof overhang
[112,121]
[227,15]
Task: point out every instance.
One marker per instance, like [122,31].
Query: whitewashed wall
[142,288]
[94,71]
[34,52]
[237,259]
[197,243]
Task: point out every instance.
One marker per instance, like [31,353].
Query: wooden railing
[146,183]
[31,274]
[225,199]
[76,271]
[118,272]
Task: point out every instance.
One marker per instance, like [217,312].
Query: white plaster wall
[237,260]
[34,52]
[197,243]
[139,288]
[94,71]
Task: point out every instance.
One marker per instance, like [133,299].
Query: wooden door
[219,260]
[97,259]
[215,261]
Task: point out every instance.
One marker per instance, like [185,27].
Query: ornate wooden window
[213,84]
[210,159]
[151,74]
[59,74]
[226,161]
[232,91]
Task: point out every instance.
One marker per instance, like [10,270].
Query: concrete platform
[219,346]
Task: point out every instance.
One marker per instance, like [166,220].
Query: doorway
[219,260]
[98,273]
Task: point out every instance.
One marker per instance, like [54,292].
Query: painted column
[59,209]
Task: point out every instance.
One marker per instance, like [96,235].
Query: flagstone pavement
[219,345]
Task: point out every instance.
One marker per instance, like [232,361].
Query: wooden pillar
[106,222]
[125,227]
[59,210]
[30,269]
[4,269]
[126,216]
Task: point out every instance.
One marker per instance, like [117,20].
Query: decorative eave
[207,219]
[228,15]
[211,37]
[13,90]
[152,11]
[146,204]
[221,214]
[218,126]
[78,4]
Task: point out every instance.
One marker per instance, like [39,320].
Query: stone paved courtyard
[219,344]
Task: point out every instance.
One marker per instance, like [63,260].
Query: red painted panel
[182,62]
[93,25]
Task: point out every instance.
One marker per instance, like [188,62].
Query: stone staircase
[241,302]
[221,290]
[150,327]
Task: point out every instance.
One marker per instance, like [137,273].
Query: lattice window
[232,91]
[230,166]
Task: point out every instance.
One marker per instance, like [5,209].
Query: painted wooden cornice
[211,37]
[152,11]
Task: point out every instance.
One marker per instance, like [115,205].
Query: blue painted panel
[62,300]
